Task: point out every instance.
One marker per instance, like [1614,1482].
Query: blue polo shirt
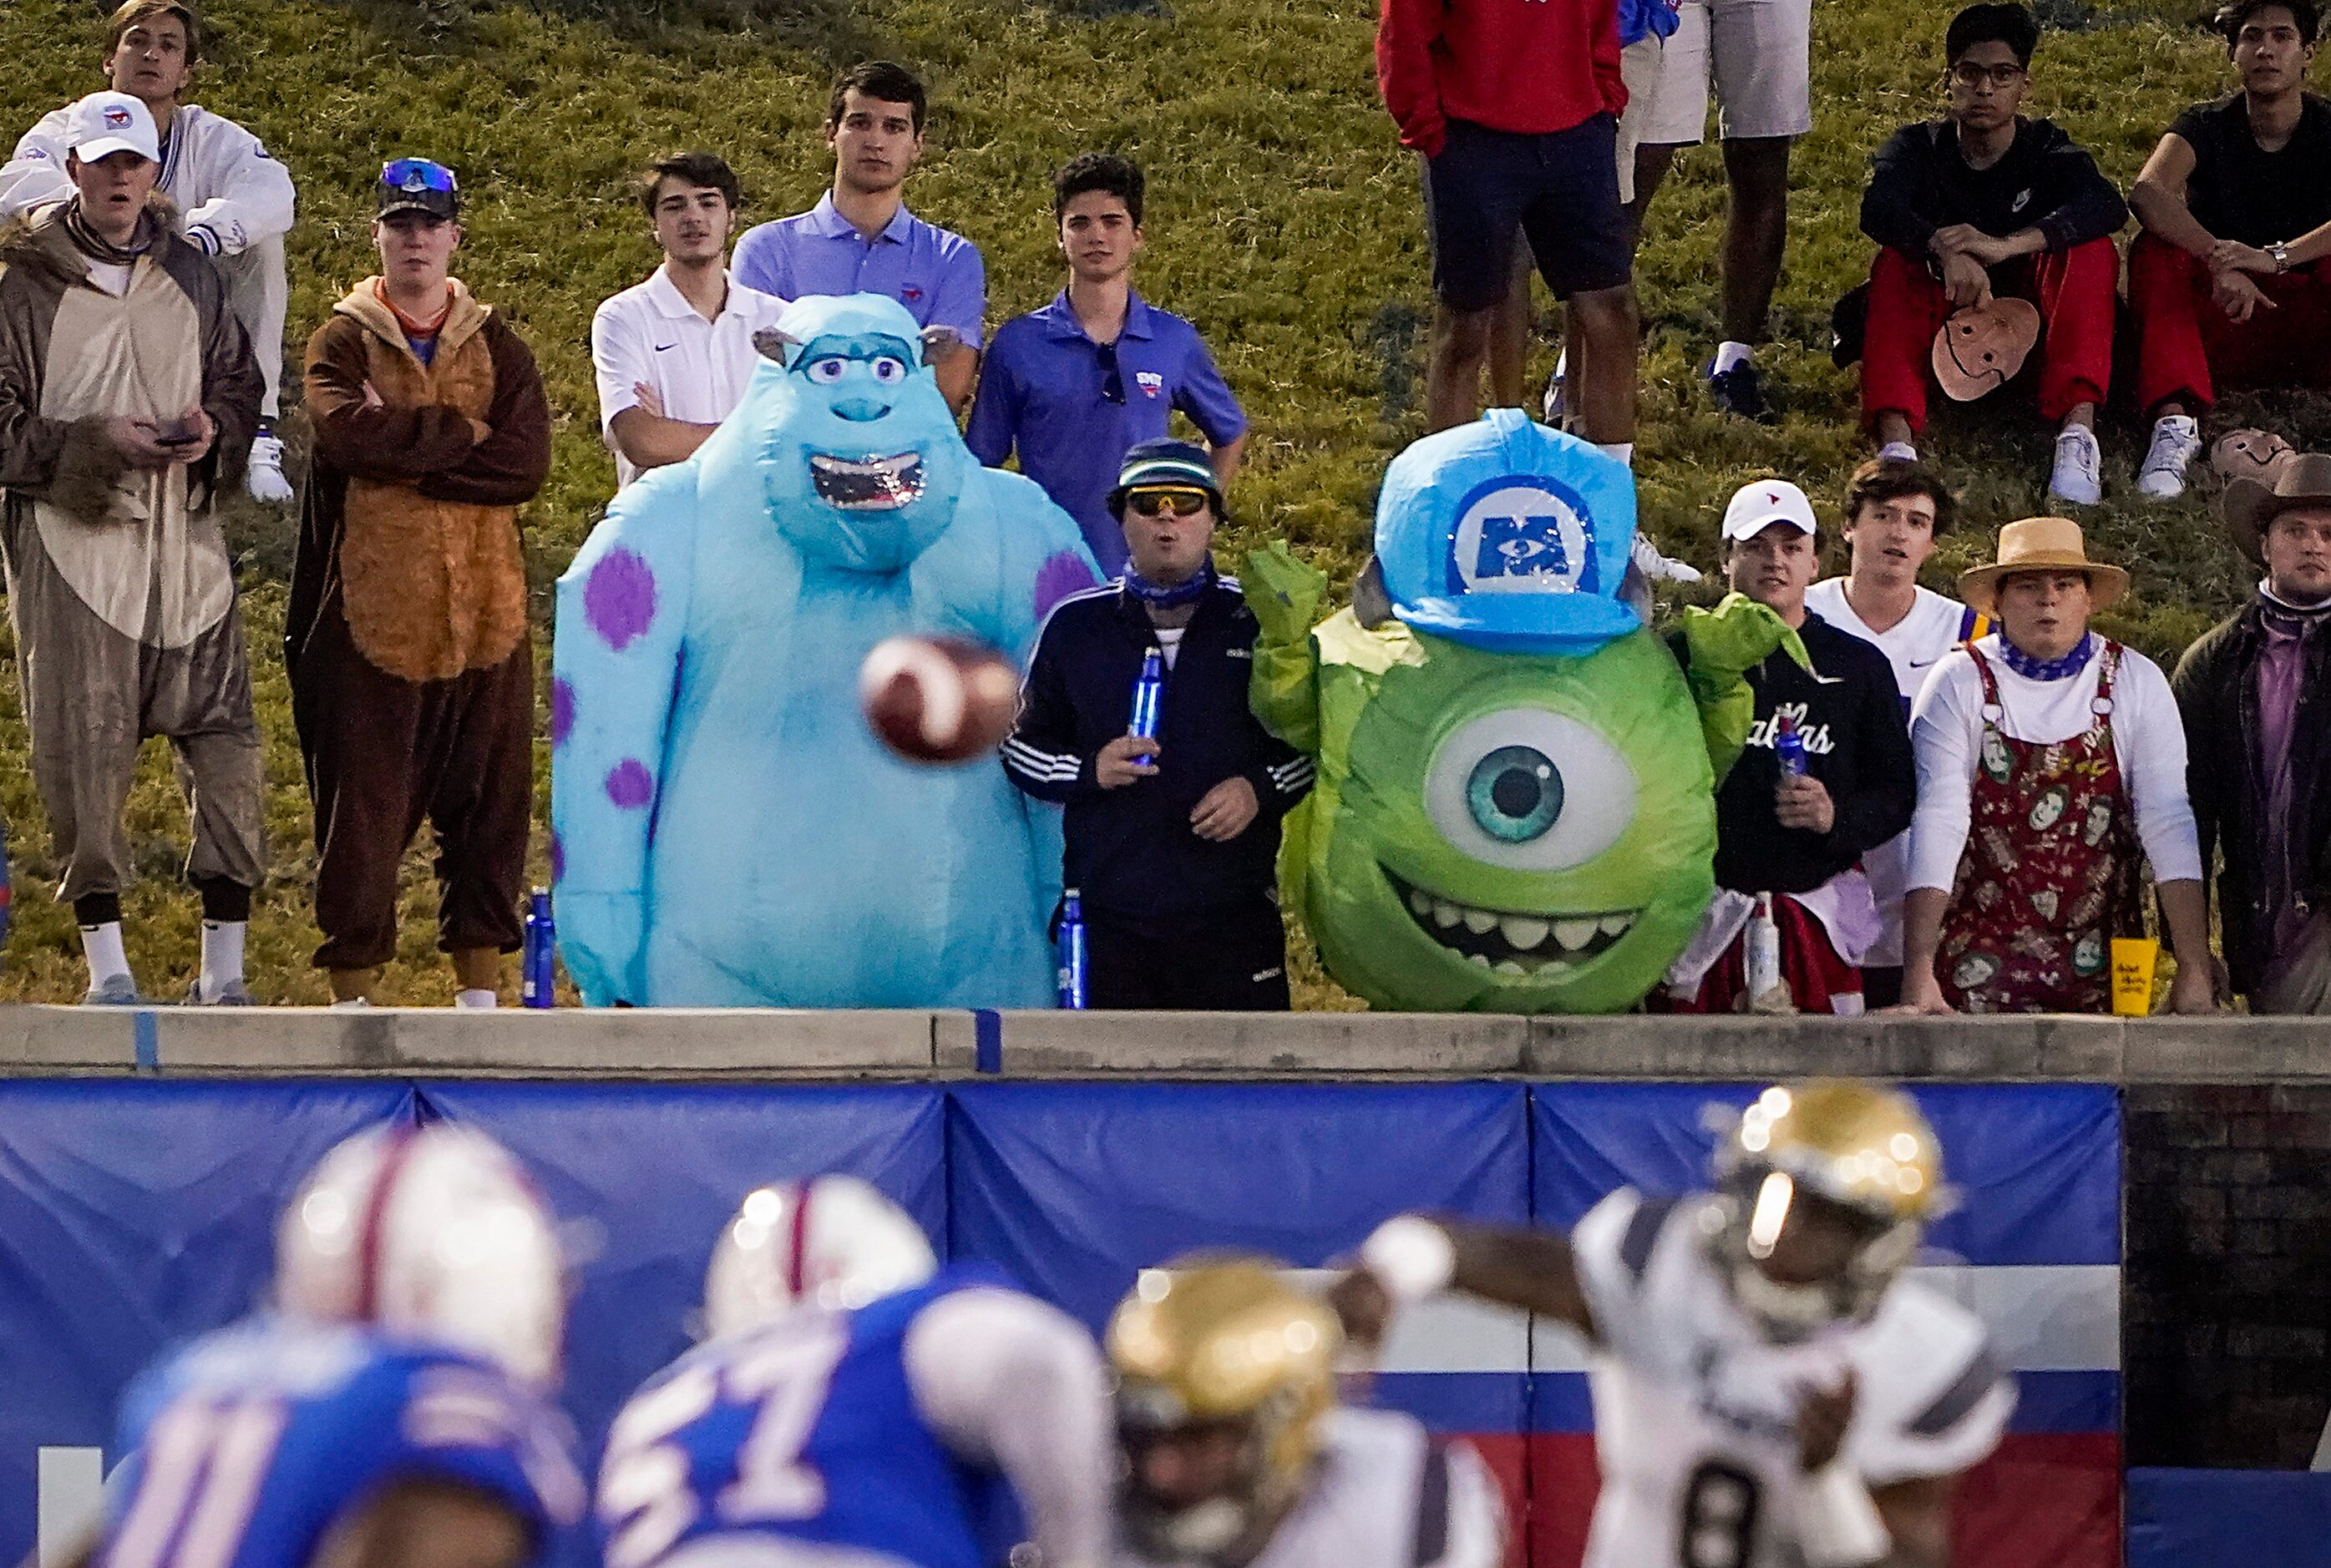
[936,274]
[1041,393]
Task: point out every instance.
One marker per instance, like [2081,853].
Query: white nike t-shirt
[1913,645]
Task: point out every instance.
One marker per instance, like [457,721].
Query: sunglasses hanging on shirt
[1112,379]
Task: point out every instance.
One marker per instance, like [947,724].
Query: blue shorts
[1560,190]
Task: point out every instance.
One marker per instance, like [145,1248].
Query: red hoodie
[1531,66]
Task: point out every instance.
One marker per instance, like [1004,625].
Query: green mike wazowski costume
[1516,804]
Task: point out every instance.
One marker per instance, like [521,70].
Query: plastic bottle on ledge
[1148,694]
[537,969]
[1072,948]
[1766,988]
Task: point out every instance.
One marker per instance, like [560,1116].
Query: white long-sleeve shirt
[230,194]
[2148,739]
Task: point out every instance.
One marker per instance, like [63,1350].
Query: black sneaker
[1740,391]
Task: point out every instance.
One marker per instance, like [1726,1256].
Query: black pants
[1231,960]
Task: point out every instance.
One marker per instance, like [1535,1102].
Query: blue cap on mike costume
[1506,536]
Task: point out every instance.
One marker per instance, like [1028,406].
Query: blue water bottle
[1148,692]
[1070,943]
[541,952]
[1788,745]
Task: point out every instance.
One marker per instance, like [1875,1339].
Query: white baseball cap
[1757,506]
[105,123]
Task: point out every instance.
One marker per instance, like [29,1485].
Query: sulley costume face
[859,460]
[1519,834]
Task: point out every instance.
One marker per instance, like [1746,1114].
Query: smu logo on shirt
[1815,736]
[1523,535]
[1151,381]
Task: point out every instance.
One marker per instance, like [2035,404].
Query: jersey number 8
[1719,1517]
[645,1495]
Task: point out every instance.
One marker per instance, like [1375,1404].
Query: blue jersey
[805,1429]
[246,1447]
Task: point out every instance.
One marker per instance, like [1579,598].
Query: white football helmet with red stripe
[832,1241]
[431,1231]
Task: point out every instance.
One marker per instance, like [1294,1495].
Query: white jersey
[230,194]
[1695,1410]
[1386,1494]
[1913,645]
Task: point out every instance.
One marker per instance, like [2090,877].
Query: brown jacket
[409,525]
[139,546]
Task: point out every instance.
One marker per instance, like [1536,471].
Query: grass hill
[1283,219]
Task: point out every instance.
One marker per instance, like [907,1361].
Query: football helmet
[431,1232]
[832,1241]
[1863,1152]
[1221,1343]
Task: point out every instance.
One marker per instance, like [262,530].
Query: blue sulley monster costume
[1516,804]
[725,829]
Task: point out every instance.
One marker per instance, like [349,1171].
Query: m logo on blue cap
[1523,533]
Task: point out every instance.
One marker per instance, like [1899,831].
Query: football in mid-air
[938,699]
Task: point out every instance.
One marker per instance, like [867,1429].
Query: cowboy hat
[2304,479]
[2041,544]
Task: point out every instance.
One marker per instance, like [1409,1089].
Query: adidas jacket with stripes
[1130,850]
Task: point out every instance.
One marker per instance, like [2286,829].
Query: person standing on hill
[411,676]
[860,239]
[1983,202]
[128,397]
[234,202]
[672,354]
[1076,386]
[1515,110]
[2231,281]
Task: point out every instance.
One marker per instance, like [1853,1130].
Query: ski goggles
[412,175]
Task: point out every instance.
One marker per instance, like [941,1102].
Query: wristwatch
[2280,252]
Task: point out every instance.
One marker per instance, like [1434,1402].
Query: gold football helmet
[1219,1350]
[1859,1154]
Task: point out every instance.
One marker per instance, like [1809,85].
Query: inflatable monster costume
[725,829]
[1516,806]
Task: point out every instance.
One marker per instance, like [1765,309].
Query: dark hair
[1889,478]
[1098,171]
[1992,22]
[133,11]
[707,169]
[886,79]
[2230,18]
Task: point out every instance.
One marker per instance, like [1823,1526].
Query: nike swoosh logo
[1921,663]
[664,348]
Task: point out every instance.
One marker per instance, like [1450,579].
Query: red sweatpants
[2075,290]
[2186,346]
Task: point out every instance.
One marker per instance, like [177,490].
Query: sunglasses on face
[1158,503]
[418,175]
[1112,379]
[1970,75]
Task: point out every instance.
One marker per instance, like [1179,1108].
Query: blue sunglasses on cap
[418,175]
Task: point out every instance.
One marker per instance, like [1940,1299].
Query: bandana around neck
[96,247]
[1180,594]
[2062,668]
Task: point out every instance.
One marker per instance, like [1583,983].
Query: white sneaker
[1551,404]
[264,476]
[2176,437]
[1657,567]
[2076,477]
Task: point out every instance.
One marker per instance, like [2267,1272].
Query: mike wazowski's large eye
[1529,789]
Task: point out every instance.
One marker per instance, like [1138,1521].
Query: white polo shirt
[649,334]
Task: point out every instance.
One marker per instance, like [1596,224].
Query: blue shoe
[1740,392]
[116,991]
[236,994]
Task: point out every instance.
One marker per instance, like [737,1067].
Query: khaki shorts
[1758,55]
[1641,66]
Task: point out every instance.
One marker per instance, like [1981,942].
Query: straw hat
[2304,479]
[2041,544]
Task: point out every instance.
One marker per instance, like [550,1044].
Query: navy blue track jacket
[1130,850]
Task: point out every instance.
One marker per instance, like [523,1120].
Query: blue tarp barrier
[2229,1519]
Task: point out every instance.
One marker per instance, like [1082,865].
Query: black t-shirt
[1849,717]
[1920,181]
[2241,193]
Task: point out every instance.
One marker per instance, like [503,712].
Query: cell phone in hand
[185,434]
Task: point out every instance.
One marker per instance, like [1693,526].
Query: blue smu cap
[1506,536]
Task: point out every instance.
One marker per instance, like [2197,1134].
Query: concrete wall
[912,1044]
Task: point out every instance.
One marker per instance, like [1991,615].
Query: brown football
[938,699]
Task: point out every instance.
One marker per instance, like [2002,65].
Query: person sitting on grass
[2228,281]
[1980,202]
